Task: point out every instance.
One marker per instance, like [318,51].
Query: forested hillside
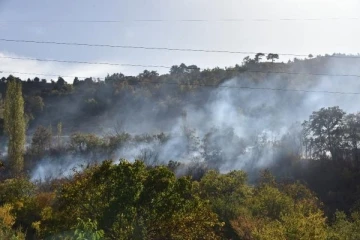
[262,150]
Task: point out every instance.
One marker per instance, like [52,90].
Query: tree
[344,227]
[285,212]
[15,126]
[175,70]
[60,82]
[272,56]
[87,230]
[89,80]
[130,201]
[34,105]
[226,193]
[147,75]
[76,81]
[115,78]
[352,134]
[7,221]
[41,141]
[258,57]
[247,60]
[325,131]
[183,69]
[1,106]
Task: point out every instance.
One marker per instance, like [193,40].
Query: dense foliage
[14,124]
[133,201]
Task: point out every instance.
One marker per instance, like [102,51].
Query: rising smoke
[233,128]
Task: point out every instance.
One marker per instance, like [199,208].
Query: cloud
[33,69]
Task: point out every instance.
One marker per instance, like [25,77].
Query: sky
[299,37]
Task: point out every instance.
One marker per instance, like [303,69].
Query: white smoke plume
[242,125]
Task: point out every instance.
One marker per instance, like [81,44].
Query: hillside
[262,150]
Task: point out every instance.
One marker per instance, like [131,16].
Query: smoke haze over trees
[261,150]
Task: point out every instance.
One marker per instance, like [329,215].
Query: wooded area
[69,180]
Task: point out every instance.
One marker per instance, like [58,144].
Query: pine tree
[14,121]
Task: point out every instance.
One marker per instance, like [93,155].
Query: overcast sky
[300,37]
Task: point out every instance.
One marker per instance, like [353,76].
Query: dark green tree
[325,130]
[272,56]
[352,135]
[15,125]
[258,57]
[41,141]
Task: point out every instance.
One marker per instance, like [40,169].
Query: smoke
[48,169]
[3,152]
[230,127]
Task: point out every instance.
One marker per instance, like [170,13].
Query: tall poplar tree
[14,121]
